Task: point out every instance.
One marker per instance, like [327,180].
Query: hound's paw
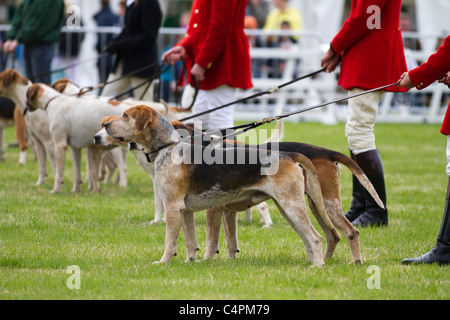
[153,222]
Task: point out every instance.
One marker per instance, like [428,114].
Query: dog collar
[147,154]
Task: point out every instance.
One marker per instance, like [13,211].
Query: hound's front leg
[173,225]
[159,206]
[76,163]
[60,157]
[189,235]
[230,230]
[213,223]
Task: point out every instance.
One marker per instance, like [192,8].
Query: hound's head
[34,92]
[101,138]
[11,77]
[134,125]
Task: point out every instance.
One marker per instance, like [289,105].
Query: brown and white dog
[103,139]
[11,115]
[188,184]
[14,86]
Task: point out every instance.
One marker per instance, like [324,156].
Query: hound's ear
[7,77]
[180,125]
[34,91]
[60,85]
[143,117]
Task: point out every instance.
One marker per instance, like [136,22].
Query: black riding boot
[373,215]
[441,252]
[359,201]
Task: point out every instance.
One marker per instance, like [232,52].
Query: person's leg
[362,114]
[441,252]
[41,57]
[27,52]
[222,118]
[144,92]
[116,87]
[201,105]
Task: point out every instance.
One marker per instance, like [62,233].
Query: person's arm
[436,68]
[355,27]
[353,30]
[16,23]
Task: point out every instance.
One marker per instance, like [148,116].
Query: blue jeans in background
[38,61]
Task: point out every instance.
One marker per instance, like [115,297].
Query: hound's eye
[125,116]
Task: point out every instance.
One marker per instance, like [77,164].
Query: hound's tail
[278,133]
[359,174]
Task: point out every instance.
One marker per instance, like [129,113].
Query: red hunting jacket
[371,57]
[215,40]
[437,66]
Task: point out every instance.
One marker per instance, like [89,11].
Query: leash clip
[274,90]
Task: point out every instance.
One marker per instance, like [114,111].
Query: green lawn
[109,236]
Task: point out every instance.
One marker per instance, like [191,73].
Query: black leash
[103,84]
[197,84]
[149,80]
[256,124]
[258,94]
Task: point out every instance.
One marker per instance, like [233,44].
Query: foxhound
[14,86]
[103,139]
[193,178]
[326,163]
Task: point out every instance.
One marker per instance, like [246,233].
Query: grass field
[109,236]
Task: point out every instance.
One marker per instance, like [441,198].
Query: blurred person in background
[105,18]
[37,25]
[136,48]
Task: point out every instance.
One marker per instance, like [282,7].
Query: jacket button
[195,25]
[196,11]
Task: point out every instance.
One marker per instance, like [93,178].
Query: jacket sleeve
[220,27]
[434,69]
[355,27]
[150,20]
[16,23]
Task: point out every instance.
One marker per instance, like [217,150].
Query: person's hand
[198,72]
[330,61]
[405,81]
[173,55]
[10,46]
[446,80]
